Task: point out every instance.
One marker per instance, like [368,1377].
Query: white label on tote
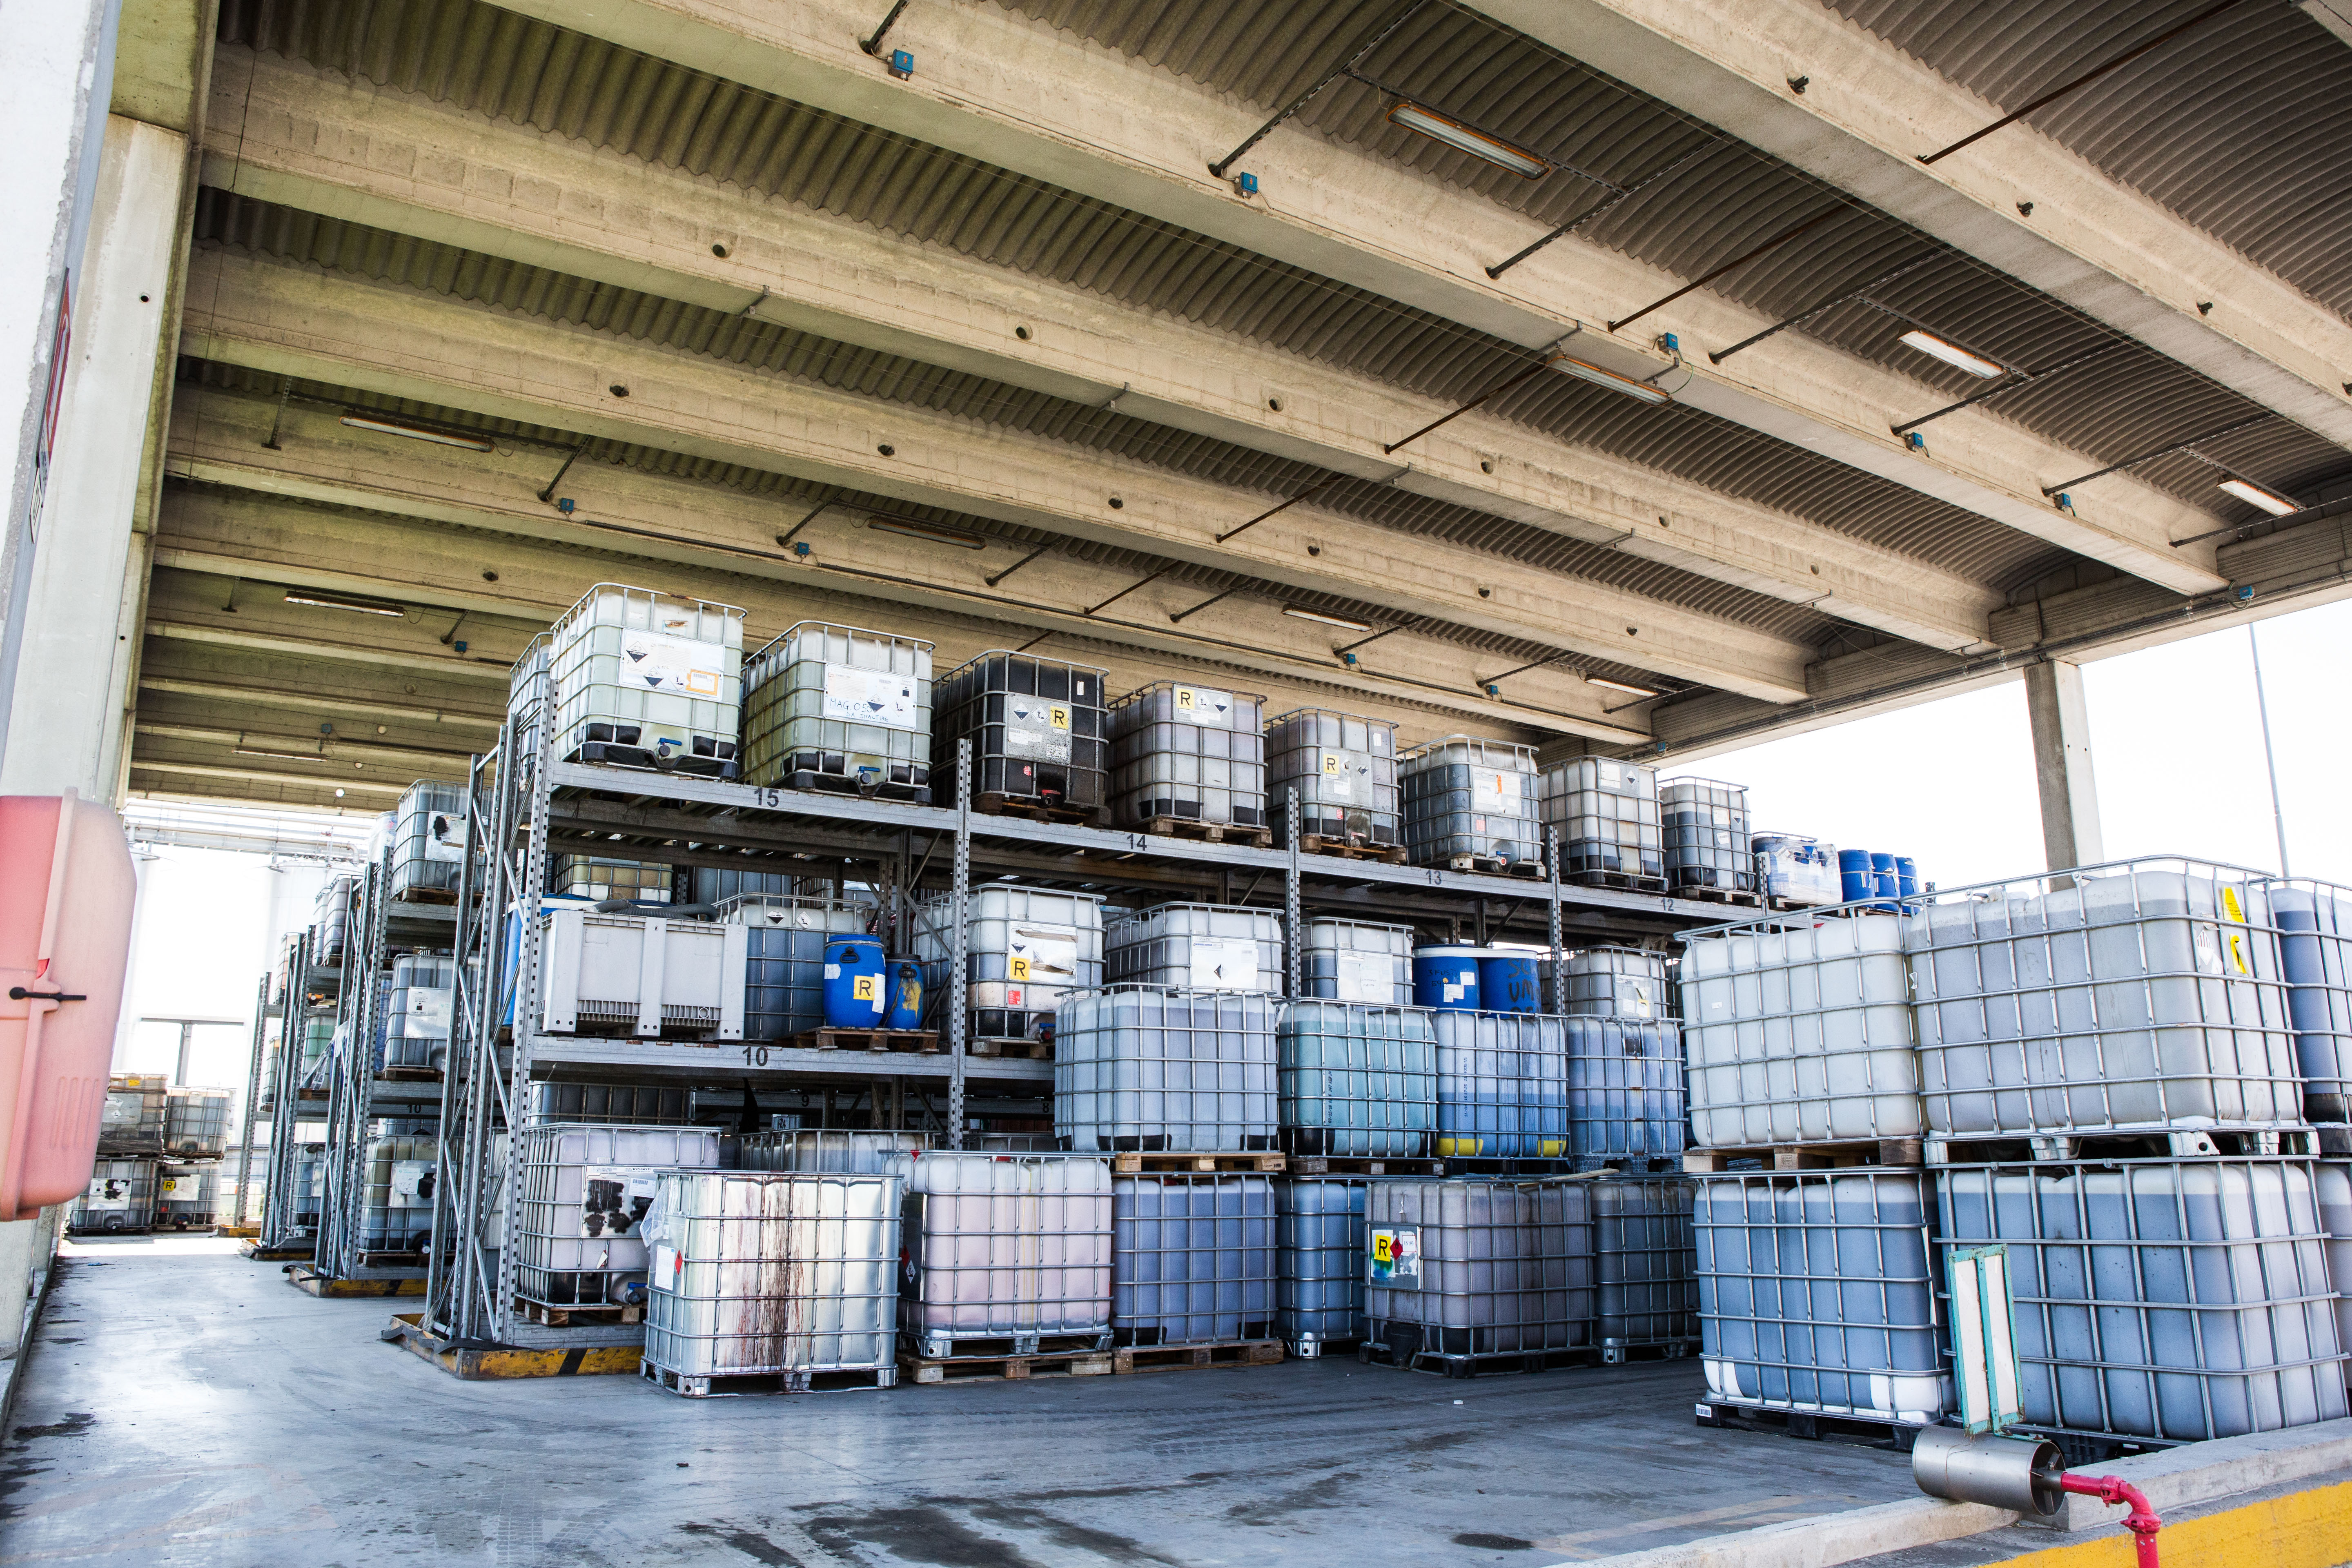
[667,1265]
[1224,964]
[1037,728]
[1043,954]
[688,666]
[869,697]
[613,1199]
[445,837]
[1608,775]
[412,1182]
[1199,705]
[429,1008]
[1367,977]
[1496,789]
[181,1189]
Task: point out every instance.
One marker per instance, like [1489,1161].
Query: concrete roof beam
[402,343]
[391,162]
[1020,94]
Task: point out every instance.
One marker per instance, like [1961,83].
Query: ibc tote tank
[1190,753]
[1467,799]
[1038,728]
[840,708]
[1344,769]
[644,679]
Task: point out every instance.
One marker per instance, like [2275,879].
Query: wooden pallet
[1740,897]
[1823,1156]
[1495,866]
[2154,1143]
[995,803]
[1130,1359]
[1360,1165]
[1808,1424]
[816,783]
[476,1362]
[409,1075]
[1005,1368]
[1159,1163]
[1206,832]
[423,896]
[868,1040]
[1345,849]
[1624,881]
[597,1314]
[731,1387]
[612,754]
[1015,1050]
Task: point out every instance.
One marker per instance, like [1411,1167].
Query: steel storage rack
[528,806]
[371,1213]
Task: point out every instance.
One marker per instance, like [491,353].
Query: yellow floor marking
[2302,1530]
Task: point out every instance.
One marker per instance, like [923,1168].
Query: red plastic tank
[66,892]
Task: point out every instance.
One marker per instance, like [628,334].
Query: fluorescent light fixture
[419,433]
[1619,686]
[335,601]
[1341,622]
[2275,504]
[1462,138]
[1953,354]
[1640,390]
[280,756]
[935,532]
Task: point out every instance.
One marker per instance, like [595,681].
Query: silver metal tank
[1192,1259]
[1817,1294]
[1138,1067]
[2171,1299]
[1004,1248]
[772,1274]
[1353,1080]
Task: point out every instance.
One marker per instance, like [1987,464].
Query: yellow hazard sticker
[1330,761]
[1020,968]
[1184,698]
[2237,952]
[2231,907]
[867,988]
[1058,717]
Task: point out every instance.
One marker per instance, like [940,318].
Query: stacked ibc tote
[2111,1073]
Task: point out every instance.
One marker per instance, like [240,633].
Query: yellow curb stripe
[2302,1530]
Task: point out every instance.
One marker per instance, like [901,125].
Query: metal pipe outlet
[2023,1475]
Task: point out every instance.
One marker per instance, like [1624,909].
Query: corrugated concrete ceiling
[2242,126]
[495,63]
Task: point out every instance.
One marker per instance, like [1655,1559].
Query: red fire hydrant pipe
[2142,1522]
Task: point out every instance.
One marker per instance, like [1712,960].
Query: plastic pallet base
[1810,1424]
[733,1385]
[611,754]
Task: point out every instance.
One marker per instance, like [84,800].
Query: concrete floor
[184,1405]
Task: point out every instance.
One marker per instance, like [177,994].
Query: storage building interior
[1010,664]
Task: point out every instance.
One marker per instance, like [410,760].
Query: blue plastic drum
[1447,977]
[1906,876]
[1855,882]
[906,995]
[1884,883]
[1507,983]
[854,983]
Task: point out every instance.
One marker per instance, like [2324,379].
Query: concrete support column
[2062,765]
[79,647]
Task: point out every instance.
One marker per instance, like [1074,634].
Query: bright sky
[2176,746]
